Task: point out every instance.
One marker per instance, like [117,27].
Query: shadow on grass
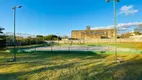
[95,70]
[17,75]
[128,70]
[34,59]
[52,55]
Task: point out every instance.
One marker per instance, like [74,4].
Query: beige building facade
[93,34]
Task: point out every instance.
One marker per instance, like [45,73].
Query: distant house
[65,39]
[93,34]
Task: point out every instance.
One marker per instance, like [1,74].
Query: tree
[9,39]
[2,39]
[126,35]
[66,37]
[137,31]
[1,29]
[140,27]
[39,39]
[51,37]
[40,36]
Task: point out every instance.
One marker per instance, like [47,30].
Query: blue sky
[61,16]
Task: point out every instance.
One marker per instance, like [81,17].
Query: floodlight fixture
[113,0]
[19,6]
[107,0]
[16,7]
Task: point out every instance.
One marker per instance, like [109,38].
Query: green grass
[120,45]
[70,65]
[26,46]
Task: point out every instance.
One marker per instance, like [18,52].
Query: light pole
[115,34]
[14,9]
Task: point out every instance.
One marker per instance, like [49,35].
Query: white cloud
[120,26]
[127,10]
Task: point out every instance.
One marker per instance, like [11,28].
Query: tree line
[39,39]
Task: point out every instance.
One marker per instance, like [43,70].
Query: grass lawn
[137,45]
[76,65]
[121,45]
[26,46]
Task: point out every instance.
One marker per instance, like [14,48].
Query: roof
[92,30]
[78,30]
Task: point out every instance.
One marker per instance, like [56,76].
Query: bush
[2,42]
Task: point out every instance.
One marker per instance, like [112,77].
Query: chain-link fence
[27,43]
[69,59]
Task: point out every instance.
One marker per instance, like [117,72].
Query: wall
[92,34]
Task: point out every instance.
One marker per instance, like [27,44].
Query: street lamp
[115,34]
[14,9]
